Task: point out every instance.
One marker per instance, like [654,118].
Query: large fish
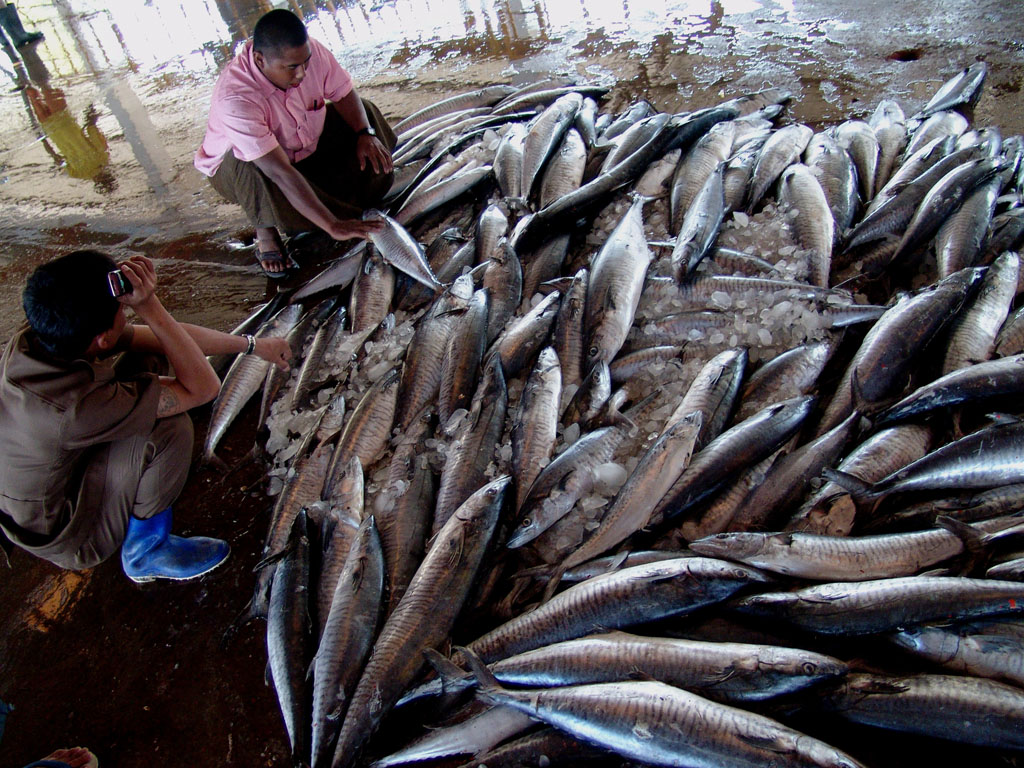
[243,380]
[840,558]
[656,472]
[730,672]
[288,637]
[631,596]
[968,710]
[536,423]
[474,445]
[349,631]
[884,605]
[993,649]
[617,275]
[400,250]
[882,364]
[423,618]
[659,724]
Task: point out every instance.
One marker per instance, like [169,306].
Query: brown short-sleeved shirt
[53,416]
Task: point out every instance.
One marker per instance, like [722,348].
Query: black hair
[277,30]
[67,302]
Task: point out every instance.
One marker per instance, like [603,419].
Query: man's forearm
[210,342]
[350,107]
[191,369]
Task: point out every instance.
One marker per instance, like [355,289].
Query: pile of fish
[704,376]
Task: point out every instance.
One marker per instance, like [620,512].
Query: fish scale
[712,308]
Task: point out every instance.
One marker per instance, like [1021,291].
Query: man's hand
[348,229]
[274,350]
[370,149]
[142,275]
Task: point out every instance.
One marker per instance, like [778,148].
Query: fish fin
[851,483]
[975,555]
[553,582]
[270,559]
[770,743]
[536,572]
[617,561]
[339,707]
[998,419]
[455,556]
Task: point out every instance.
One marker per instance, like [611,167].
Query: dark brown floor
[140,674]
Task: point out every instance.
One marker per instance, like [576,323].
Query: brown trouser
[332,170]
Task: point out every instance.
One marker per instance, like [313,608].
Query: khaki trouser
[134,477]
[332,170]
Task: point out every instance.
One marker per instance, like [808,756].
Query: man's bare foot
[270,252]
[76,757]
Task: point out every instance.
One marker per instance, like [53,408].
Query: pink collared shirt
[250,116]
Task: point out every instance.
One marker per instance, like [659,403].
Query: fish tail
[211,459]
[485,678]
[453,677]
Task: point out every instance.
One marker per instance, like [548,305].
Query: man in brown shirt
[92,452]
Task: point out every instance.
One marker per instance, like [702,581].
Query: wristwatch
[367,130]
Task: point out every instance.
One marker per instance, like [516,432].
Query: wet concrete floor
[98,124]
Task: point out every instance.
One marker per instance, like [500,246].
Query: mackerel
[349,632]
[728,672]
[968,710]
[288,640]
[635,595]
[839,558]
[813,223]
[424,617]
[405,507]
[536,422]
[782,149]
[368,428]
[636,500]
[243,380]
[460,366]
[884,605]
[337,531]
[399,249]
[993,649]
[617,275]
[372,292]
[473,449]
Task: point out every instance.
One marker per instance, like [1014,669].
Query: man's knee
[174,435]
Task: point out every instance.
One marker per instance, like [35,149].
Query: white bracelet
[252,343]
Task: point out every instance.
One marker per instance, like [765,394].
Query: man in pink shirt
[289,139]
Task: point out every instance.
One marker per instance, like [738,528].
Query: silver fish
[964,709]
[400,250]
[423,618]
[349,631]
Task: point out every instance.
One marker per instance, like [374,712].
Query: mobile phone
[119,284]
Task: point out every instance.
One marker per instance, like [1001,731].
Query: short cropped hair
[68,303]
[277,30]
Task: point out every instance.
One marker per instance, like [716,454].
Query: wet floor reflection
[102,117]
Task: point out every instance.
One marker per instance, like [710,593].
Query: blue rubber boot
[150,551]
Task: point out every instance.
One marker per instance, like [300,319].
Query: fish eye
[527,522]
[593,351]
[809,667]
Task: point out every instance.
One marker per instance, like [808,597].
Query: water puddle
[100,120]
